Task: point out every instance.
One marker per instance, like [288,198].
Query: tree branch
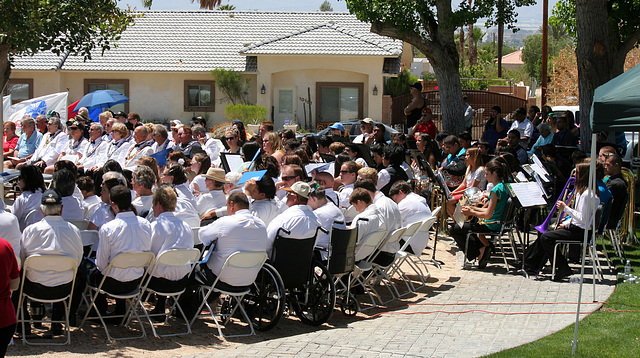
[393,31]
[629,43]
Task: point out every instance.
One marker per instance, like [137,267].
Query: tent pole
[589,213]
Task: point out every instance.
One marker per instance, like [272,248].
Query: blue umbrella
[101,99]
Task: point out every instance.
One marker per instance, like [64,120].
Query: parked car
[353,128]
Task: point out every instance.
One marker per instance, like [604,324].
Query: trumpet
[544,227]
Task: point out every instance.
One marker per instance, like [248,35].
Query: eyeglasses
[93,129]
[73,128]
[265,141]
[345,172]
[229,138]
[285,178]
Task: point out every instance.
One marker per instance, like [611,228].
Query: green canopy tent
[615,107]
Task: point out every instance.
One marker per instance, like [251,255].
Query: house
[513,60]
[163,64]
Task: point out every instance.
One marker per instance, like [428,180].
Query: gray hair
[198,129]
[113,175]
[144,176]
[29,121]
[544,126]
[233,178]
[98,125]
[161,130]
[56,121]
[51,209]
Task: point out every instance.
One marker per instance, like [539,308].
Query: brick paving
[505,311]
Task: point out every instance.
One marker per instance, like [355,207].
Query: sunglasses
[287,178]
[229,138]
[73,128]
[345,172]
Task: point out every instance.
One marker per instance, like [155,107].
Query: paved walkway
[474,313]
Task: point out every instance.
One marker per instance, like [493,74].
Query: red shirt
[8,271]
[11,144]
[429,128]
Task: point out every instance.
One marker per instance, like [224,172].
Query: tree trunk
[5,66]
[500,43]
[598,58]
[461,46]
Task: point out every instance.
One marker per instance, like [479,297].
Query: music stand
[231,161]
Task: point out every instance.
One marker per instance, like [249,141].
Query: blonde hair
[368,173]
[105,115]
[120,128]
[274,141]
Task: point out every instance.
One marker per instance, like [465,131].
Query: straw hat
[216,174]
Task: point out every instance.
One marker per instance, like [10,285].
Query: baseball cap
[301,188]
[175,123]
[52,113]
[367,121]
[337,125]
[417,86]
[120,114]
[51,197]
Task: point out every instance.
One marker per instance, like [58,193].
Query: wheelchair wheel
[265,303]
[349,305]
[314,303]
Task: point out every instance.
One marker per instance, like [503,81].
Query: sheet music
[443,184]
[537,162]
[540,171]
[529,194]
[458,217]
[538,178]
[521,178]
[234,161]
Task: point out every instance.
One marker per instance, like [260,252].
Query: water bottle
[627,269]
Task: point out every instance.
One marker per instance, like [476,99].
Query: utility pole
[545,49]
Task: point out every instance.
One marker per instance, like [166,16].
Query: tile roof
[514,58]
[199,41]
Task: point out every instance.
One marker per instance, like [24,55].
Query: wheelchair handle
[284,230]
[321,229]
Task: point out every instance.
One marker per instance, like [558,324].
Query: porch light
[375,90]
[263,90]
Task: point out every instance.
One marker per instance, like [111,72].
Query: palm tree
[204,4]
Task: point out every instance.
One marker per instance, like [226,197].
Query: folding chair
[412,259]
[80,224]
[89,240]
[44,264]
[171,258]
[436,214]
[247,260]
[196,238]
[342,259]
[379,272]
[124,260]
[507,226]
[368,248]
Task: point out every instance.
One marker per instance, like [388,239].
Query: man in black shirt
[618,188]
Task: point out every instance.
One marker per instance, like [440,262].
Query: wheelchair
[294,279]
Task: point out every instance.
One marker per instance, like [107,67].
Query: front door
[285,106]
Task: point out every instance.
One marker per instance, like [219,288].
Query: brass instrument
[544,227]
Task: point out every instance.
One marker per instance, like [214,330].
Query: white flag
[41,105]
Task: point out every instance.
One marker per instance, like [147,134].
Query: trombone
[565,193]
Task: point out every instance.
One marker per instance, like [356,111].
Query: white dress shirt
[299,220]
[136,152]
[126,233]
[168,144]
[266,209]
[199,180]
[211,148]
[102,214]
[90,204]
[184,192]
[328,214]
[51,236]
[169,232]
[392,219]
[25,203]
[96,153]
[212,200]
[414,208]
[50,147]
[344,195]
[187,212]
[117,150]
[72,209]
[374,222]
[76,147]
[10,231]
[525,128]
[238,232]
[143,204]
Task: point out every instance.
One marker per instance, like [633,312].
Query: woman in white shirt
[32,185]
[119,146]
[199,165]
[474,177]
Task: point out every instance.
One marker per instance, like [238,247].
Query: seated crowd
[105,173]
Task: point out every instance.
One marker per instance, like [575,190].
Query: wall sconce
[263,90]
[375,90]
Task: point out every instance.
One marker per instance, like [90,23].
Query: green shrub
[247,113]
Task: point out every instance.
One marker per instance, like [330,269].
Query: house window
[121,86]
[199,96]
[19,89]
[339,101]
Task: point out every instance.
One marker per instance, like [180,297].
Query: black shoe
[516,264]
[486,255]
[56,329]
[562,273]
[73,320]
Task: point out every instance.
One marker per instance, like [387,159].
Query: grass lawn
[605,333]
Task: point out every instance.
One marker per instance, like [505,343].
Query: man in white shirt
[139,149]
[264,204]
[240,231]
[215,198]
[368,221]
[413,208]
[209,144]
[366,127]
[10,230]
[522,124]
[96,150]
[64,182]
[168,232]
[126,233]
[348,176]
[299,219]
[104,213]
[161,139]
[52,144]
[91,202]
[142,182]
[328,215]
[50,236]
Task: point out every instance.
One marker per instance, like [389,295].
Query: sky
[526,14]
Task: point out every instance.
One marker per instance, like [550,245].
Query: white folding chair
[196,238]
[415,258]
[368,247]
[171,258]
[122,261]
[238,260]
[44,264]
[80,224]
[379,272]
[401,255]
[89,239]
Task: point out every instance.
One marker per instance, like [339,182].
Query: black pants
[5,337]
[542,249]
[48,293]
[164,285]
[384,258]
[459,234]
[89,274]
